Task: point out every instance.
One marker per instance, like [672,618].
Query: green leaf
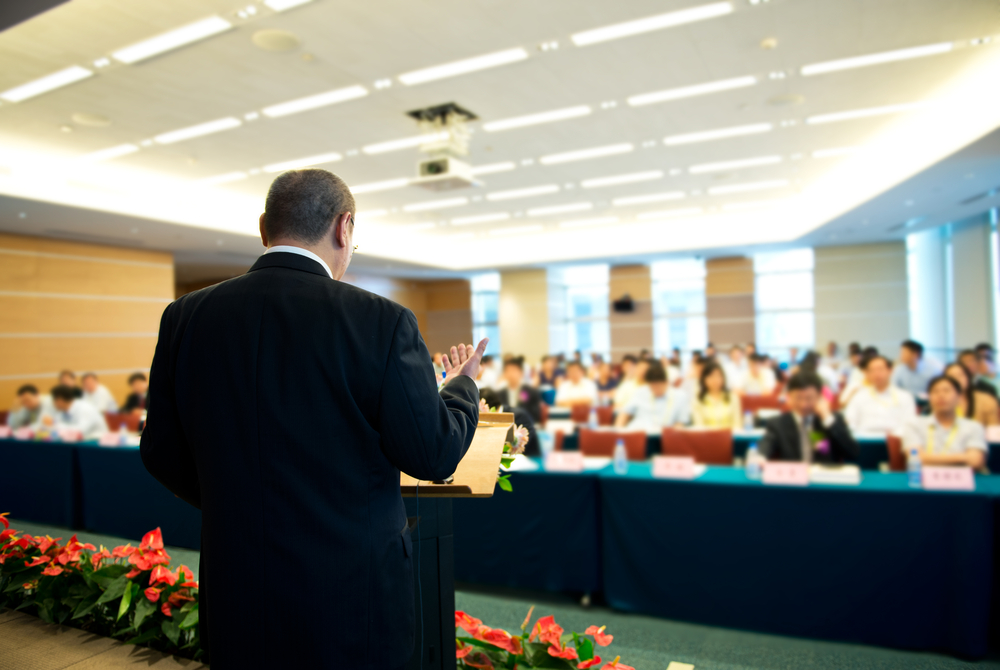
[145,637]
[506,462]
[108,574]
[127,597]
[537,655]
[143,608]
[584,648]
[504,483]
[191,620]
[114,590]
[83,609]
[171,630]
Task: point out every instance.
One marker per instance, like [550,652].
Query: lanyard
[892,394]
[948,441]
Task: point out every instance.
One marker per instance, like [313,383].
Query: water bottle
[592,420]
[122,435]
[621,458]
[747,420]
[753,463]
[547,442]
[913,470]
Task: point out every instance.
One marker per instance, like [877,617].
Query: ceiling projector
[447,133]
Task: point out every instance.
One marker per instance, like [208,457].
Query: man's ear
[263,232]
[341,232]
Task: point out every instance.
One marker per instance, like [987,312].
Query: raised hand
[463,360]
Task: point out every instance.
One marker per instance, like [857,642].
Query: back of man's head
[805,379]
[914,347]
[301,205]
[64,393]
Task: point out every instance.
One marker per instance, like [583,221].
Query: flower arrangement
[546,646]
[127,592]
[517,438]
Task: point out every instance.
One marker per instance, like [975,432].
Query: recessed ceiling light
[435,205]
[223,178]
[561,209]
[47,83]
[318,159]
[722,133]
[644,199]
[586,223]
[691,91]
[523,192]
[102,62]
[516,230]
[91,120]
[492,168]
[757,204]
[109,153]
[734,165]
[282,5]
[404,143]
[651,23]
[535,119]
[251,116]
[669,214]
[375,186]
[831,153]
[197,131]
[750,186]
[172,39]
[877,59]
[315,101]
[481,218]
[585,154]
[463,66]
[622,179]
[863,113]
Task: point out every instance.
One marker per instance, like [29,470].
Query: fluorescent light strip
[421,226]
[863,113]
[172,39]
[523,192]
[740,206]
[47,83]
[586,223]
[282,5]
[669,214]
[651,23]
[644,199]
[109,153]
[223,178]
[516,230]
[831,153]
[561,209]
[492,168]
[622,179]
[691,91]
[435,204]
[197,131]
[404,143]
[720,134]
[463,66]
[372,214]
[481,218]
[319,159]
[876,59]
[734,165]
[315,101]
[585,154]
[535,119]
[375,186]
[750,186]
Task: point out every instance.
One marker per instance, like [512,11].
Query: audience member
[74,414]
[709,351]
[759,379]
[137,401]
[751,349]
[943,437]
[675,358]
[715,406]
[851,363]
[438,367]
[973,404]
[68,378]
[606,384]
[655,405]
[856,380]
[911,372]
[833,356]
[810,431]
[735,366]
[30,407]
[628,382]
[549,374]
[488,375]
[576,389]
[879,407]
[596,361]
[97,394]
[513,392]
[987,367]
[972,361]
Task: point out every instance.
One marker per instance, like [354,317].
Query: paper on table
[596,462]
[993,434]
[847,474]
[560,426]
[522,464]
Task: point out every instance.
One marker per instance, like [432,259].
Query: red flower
[468,623]
[185,572]
[165,608]
[615,665]
[582,665]
[122,552]
[599,636]
[527,619]
[548,631]
[7,534]
[132,573]
[161,574]
[461,651]
[52,571]
[503,639]
[152,540]
[177,599]
[27,586]
[152,594]
[562,652]
[38,560]
[3,520]
[478,659]
[96,559]
[43,543]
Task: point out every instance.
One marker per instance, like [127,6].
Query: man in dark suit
[518,394]
[306,557]
[138,399]
[810,432]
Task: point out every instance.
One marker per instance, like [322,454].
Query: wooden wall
[524,313]
[729,301]
[81,307]
[631,332]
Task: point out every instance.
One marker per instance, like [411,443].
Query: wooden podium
[428,507]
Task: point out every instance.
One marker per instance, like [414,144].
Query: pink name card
[784,473]
[5,432]
[110,440]
[69,435]
[943,478]
[24,434]
[673,467]
[564,461]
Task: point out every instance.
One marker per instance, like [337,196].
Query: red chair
[752,403]
[3,418]
[897,459]
[558,444]
[602,443]
[713,447]
[605,416]
[580,413]
[116,421]
[545,414]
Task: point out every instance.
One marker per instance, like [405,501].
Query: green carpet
[646,643]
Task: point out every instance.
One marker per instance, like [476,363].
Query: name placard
[110,440]
[944,478]
[24,434]
[6,432]
[69,435]
[782,473]
[564,461]
[673,467]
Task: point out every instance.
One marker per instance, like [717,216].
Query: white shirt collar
[301,252]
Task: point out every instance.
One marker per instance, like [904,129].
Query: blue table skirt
[877,564]
[37,482]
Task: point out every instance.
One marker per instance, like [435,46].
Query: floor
[646,643]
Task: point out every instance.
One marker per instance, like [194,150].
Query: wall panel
[524,313]
[729,301]
[631,332]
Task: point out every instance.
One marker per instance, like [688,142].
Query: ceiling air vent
[979,196]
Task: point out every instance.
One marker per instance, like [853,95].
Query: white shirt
[965,434]
[652,413]
[624,392]
[81,416]
[102,399]
[887,412]
[489,379]
[586,389]
[762,384]
[287,248]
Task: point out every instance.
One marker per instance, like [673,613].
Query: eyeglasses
[352,225]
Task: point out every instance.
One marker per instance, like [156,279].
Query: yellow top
[716,413]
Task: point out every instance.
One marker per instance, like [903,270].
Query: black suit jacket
[284,404]
[133,401]
[529,398]
[781,440]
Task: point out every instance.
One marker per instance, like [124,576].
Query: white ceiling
[345,44]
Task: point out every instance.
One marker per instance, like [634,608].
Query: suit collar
[282,259]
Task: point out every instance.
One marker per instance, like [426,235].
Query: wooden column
[524,313]
[631,332]
[729,301]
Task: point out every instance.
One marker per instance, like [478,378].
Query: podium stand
[428,508]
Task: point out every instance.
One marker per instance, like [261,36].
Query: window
[784,297]
[679,305]
[486,310]
[578,310]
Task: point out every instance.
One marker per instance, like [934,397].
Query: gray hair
[301,204]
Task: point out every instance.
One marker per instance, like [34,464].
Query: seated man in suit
[810,432]
[137,401]
[515,393]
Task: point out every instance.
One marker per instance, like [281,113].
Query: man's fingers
[445,363]
[463,353]
[481,349]
[454,358]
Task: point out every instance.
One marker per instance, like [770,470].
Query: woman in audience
[973,404]
[606,384]
[944,438]
[549,375]
[715,406]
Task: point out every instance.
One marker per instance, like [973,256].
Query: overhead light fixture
[734,165]
[109,153]
[561,209]
[877,59]
[750,186]
[172,39]
[585,154]
[223,178]
[492,168]
[375,186]
[372,214]
[669,214]
[404,143]
[586,223]
[481,218]
[516,230]
[421,226]
[832,153]
[197,131]
[314,101]
[622,179]
[863,113]
[523,192]
[463,66]
[720,134]
[535,119]
[691,91]
[318,159]
[757,204]
[651,23]
[435,204]
[645,199]
[282,5]
[45,84]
